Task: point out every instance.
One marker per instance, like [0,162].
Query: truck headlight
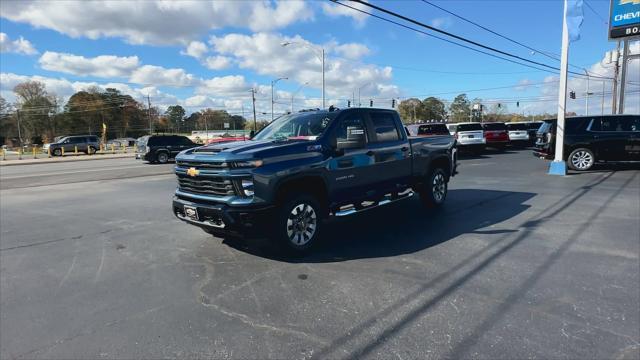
[247,187]
[248,164]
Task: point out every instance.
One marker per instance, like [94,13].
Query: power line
[545,53]
[450,35]
[595,12]
[440,38]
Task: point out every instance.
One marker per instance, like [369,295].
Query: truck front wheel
[298,223]
[434,191]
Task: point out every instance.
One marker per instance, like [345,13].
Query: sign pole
[559,166]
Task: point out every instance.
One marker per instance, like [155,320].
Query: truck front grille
[206,185]
[202,165]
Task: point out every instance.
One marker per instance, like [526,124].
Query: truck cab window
[384,127]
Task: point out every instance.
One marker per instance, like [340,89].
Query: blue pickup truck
[307,167]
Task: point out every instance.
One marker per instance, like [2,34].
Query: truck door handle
[370,153]
[404,149]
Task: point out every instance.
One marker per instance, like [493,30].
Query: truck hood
[250,149]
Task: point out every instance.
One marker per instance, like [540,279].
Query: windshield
[519,126]
[301,126]
[469,127]
[494,126]
[545,127]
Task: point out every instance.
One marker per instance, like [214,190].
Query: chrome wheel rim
[582,160]
[301,224]
[439,187]
[162,158]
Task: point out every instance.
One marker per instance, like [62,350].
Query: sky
[203,54]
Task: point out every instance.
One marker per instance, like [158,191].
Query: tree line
[39,116]
[461,109]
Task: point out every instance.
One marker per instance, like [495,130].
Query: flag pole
[559,166]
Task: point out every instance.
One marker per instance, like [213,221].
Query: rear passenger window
[384,127]
[613,124]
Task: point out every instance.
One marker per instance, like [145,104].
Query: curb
[62,160]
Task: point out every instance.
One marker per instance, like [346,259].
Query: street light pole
[320,57]
[273,82]
[296,92]
[323,101]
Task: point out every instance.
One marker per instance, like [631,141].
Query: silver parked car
[88,144]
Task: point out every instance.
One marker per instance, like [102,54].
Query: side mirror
[355,139]
[252,134]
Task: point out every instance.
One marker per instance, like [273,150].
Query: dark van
[592,139]
[162,148]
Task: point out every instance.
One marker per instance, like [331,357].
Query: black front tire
[434,190]
[298,224]
[162,157]
[581,159]
[57,152]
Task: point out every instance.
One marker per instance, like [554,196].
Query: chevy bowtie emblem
[193,172]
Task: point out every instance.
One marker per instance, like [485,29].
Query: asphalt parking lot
[518,264]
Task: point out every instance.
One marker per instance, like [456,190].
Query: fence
[35,152]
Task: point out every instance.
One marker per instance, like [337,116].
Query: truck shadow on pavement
[405,227]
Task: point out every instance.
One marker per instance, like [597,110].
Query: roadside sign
[624,19]
[226,125]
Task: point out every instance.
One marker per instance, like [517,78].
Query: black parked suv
[162,148]
[591,139]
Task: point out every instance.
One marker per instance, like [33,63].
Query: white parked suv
[518,133]
[469,135]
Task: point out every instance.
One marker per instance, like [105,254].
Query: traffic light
[370,103]
[348,103]
[572,94]
[518,104]
[393,103]
[499,105]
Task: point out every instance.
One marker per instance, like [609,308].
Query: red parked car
[496,134]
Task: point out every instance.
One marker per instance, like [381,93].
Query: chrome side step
[388,199]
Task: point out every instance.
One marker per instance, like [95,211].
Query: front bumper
[224,220]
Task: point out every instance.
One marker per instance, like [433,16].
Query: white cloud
[195,49]
[335,10]
[597,102]
[264,54]
[19,46]
[226,86]
[352,50]
[105,66]
[154,22]
[159,76]
[65,88]
[217,62]
[442,22]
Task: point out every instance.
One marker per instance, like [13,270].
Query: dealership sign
[624,19]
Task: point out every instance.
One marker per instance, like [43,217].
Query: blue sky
[149,45]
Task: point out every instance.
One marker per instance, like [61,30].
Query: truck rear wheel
[434,191]
[298,224]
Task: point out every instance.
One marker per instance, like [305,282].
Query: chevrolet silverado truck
[306,167]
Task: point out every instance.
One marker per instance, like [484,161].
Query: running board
[351,209]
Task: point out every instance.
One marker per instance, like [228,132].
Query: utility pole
[623,79]
[602,105]
[149,111]
[586,98]
[616,69]
[253,98]
[19,132]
